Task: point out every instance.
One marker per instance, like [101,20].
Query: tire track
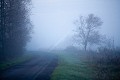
[39,68]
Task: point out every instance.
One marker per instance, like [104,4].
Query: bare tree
[87,30]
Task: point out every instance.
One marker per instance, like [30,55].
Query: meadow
[87,66]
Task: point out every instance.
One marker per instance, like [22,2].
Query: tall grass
[105,63]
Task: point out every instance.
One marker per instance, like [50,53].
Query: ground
[38,68]
[60,65]
[72,66]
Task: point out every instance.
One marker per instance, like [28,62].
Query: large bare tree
[87,30]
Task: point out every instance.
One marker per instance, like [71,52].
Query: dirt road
[38,68]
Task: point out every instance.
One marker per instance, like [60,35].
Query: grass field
[7,64]
[87,66]
[72,67]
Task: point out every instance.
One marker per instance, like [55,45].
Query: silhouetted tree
[15,27]
[87,30]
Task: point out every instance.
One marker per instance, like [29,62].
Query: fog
[53,21]
[59,40]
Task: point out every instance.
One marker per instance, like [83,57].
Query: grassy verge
[87,66]
[106,65]
[72,67]
[7,64]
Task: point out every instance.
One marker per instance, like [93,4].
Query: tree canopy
[15,27]
[87,30]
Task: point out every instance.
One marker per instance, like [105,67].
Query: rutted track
[38,68]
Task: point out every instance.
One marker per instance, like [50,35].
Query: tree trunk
[85,45]
[2,29]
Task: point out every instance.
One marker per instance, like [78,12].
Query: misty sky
[53,20]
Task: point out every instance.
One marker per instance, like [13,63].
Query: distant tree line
[15,27]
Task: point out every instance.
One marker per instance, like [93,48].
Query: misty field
[71,67]
[59,40]
[84,66]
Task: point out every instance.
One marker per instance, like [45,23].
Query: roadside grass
[106,65]
[72,67]
[12,62]
[87,66]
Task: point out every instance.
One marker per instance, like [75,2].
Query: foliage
[87,30]
[15,27]
[105,63]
